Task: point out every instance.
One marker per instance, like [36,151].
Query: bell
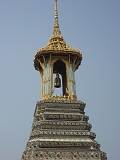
[57,81]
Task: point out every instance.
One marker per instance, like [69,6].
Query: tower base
[61,131]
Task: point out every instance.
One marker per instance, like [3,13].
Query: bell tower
[58,58]
[60,129]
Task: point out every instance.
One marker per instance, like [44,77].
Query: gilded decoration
[57,45]
[46,58]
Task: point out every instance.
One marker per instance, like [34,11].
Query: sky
[93,26]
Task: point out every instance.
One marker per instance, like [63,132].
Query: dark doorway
[60,67]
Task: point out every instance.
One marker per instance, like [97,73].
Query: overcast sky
[93,26]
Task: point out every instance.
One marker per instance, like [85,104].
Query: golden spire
[56,30]
[56,23]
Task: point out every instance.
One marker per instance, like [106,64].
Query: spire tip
[56,23]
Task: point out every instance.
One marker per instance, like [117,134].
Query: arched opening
[60,68]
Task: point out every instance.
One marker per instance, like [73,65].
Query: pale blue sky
[93,26]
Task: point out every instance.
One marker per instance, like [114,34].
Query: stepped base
[60,131]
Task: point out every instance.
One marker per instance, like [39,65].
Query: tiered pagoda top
[57,43]
[57,57]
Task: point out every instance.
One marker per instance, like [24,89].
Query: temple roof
[57,43]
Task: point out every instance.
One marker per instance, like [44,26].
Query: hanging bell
[57,81]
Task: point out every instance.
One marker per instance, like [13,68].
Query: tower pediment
[57,44]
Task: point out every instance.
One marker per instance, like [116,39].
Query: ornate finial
[56,30]
[56,23]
